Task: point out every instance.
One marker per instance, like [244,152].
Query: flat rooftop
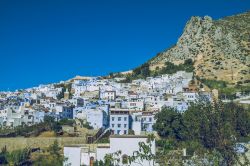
[128,136]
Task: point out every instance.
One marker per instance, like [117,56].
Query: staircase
[100,134]
[106,133]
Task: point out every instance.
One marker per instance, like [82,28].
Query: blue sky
[45,41]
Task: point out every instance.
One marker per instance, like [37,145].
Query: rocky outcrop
[220,48]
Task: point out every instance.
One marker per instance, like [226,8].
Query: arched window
[124,159]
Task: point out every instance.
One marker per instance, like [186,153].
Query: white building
[143,121]
[127,144]
[78,155]
[96,117]
[135,104]
[119,121]
[108,95]
[190,96]
[64,111]
[77,102]
[148,121]
[85,155]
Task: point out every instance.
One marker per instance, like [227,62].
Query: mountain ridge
[219,48]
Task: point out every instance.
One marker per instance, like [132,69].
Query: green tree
[169,124]
[144,153]
[210,124]
[145,72]
[52,124]
[18,157]
[53,157]
[210,129]
[3,156]
[55,149]
[188,62]
[238,117]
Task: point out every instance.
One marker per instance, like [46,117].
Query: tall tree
[169,124]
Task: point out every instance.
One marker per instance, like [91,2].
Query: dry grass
[42,142]
[47,134]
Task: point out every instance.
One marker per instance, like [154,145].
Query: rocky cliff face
[220,48]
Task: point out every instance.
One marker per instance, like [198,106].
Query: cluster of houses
[103,103]
[123,108]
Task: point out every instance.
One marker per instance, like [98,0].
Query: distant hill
[220,49]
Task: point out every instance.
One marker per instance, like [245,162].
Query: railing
[106,133]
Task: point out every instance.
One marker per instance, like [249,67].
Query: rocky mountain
[220,48]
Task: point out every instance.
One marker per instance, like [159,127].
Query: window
[119,118]
[113,118]
[132,104]
[125,132]
[125,125]
[113,125]
[124,159]
[125,118]
[119,125]
[150,119]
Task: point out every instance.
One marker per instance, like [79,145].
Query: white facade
[108,95]
[127,145]
[190,96]
[64,111]
[143,121]
[119,121]
[73,155]
[78,155]
[96,118]
[133,105]
[148,121]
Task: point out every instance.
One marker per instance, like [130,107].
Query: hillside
[220,48]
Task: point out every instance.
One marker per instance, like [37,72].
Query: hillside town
[103,103]
[126,110]
[125,83]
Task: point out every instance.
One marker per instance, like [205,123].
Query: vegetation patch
[213,134]
[143,71]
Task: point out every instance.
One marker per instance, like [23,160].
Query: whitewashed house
[107,95]
[148,120]
[64,111]
[134,104]
[78,155]
[95,116]
[119,121]
[77,101]
[143,121]
[190,96]
[127,144]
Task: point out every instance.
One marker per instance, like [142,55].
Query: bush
[85,124]
[69,122]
